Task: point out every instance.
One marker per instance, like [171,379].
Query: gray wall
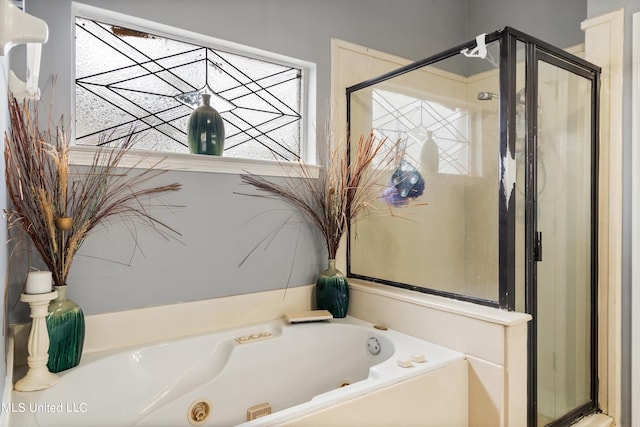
[553,21]
[301,29]
[219,227]
[597,7]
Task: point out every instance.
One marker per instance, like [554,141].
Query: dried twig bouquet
[344,192]
[58,207]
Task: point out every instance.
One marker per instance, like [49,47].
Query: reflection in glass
[519,163]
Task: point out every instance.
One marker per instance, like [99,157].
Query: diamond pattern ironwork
[132,81]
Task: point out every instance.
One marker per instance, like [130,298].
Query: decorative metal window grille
[133,81]
[399,116]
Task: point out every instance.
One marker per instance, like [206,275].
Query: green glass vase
[206,129]
[65,323]
[332,291]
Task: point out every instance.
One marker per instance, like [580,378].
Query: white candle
[38,282]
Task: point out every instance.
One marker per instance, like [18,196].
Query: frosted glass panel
[564,218]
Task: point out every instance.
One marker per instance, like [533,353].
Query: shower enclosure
[493,197]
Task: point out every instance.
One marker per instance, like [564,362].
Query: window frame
[82,154]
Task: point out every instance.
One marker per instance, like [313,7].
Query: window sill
[83,156]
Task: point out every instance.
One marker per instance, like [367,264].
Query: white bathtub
[298,369]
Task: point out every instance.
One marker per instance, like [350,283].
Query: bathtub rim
[335,396]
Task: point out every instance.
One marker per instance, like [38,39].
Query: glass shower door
[564,168]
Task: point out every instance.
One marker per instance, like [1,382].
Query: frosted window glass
[131,80]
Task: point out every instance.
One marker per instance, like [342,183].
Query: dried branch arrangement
[58,206]
[344,192]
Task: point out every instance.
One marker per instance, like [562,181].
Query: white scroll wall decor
[18,27]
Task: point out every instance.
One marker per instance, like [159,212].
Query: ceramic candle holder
[38,282]
[38,376]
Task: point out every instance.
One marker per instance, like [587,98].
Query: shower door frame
[507,248]
[536,51]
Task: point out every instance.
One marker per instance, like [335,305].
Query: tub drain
[198,412]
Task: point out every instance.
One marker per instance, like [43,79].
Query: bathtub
[221,379]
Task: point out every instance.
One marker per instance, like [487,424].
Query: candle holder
[38,282]
[38,376]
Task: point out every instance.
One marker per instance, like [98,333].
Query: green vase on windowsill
[205,132]
[332,291]
[65,323]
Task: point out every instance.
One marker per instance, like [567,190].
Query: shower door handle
[538,246]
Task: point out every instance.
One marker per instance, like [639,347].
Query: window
[132,78]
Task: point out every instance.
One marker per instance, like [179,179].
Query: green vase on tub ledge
[57,207]
[65,324]
[332,291]
[343,193]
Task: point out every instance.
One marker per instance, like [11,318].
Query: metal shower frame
[535,50]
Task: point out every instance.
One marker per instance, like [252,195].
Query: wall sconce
[17,27]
